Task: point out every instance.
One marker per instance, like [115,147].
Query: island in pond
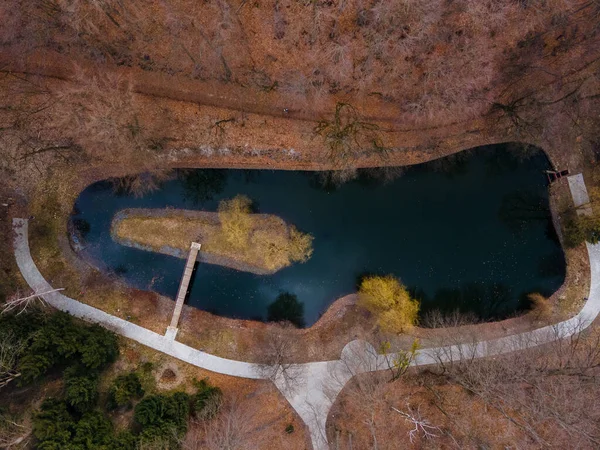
[233,237]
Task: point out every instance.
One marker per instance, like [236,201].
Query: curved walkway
[38,283]
[312,388]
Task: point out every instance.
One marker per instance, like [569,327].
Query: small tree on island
[281,246]
[389,301]
[235,220]
[300,245]
[266,239]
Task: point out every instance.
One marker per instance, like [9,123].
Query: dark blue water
[470,232]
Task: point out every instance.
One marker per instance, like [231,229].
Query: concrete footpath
[312,388]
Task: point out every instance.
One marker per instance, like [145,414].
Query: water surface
[469,232]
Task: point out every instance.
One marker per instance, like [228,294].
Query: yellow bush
[390,302]
[268,240]
[235,220]
[300,245]
[272,248]
[278,249]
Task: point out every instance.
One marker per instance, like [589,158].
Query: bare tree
[362,388]
[420,425]
[551,384]
[277,356]
[455,341]
[398,363]
[22,304]
[13,434]
[385,174]
[10,350]
[28,150]
[347,135]
[85,16]
[542,396]
[230,429]
[99,110]
[143,183]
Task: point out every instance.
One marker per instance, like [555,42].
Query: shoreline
[226,336]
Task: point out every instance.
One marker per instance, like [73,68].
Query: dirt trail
[250,99]
[211,93]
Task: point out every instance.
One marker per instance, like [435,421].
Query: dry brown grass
[537,398]
[271,244]
[430,57]
[542,309]
[156,232]
[363,417]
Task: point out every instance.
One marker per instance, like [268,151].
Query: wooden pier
[183,287]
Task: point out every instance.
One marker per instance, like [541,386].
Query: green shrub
[17,332]
[573,232]
[53,423]
[159,410]
[81,389]
[72,423]
[99,348]
[33,366]
[124,389]
[22,326]
[160,437]
[93,431]
[578,229]
[61,342]
[164,417]
[57,340]
[56,429]
[124,440]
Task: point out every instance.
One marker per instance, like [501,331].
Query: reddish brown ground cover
[92,90]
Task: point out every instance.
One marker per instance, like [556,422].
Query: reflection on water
[286,308]
[201,185]
[469,232]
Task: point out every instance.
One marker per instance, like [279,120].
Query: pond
[470,232]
